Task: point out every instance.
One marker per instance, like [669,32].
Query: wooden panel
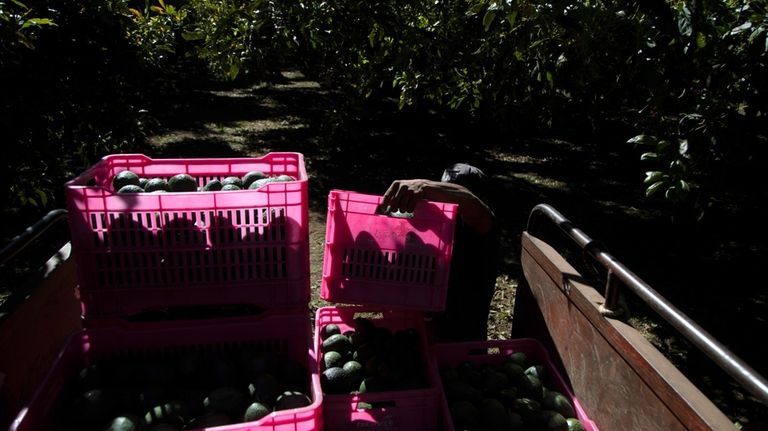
[32,334]
[621,380]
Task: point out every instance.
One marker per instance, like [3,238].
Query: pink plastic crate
[378,259]
[494,352]
[286,335]
[136,252]
[392,410]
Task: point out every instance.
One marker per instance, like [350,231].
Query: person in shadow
[472,278]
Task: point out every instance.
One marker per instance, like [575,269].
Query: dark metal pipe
[21,241]
[725,359]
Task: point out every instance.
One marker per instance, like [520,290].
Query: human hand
[402,195]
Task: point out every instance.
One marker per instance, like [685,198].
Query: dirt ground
[709,271]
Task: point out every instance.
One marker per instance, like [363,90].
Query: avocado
[212,186]
[126,423]
[130,188]
[465,414]
[125,178]
[227,400]
[374,384]
[526,406]
[493,415]
[284,178]
[182,183]
[262,182]
[575,425]
[156,184]
[537,371]
[292,400]
[548,420]
[255,412]
[493,381]
[265,389]
[93,408]
[364,352]
[333,359]
[143,182]
[229,188]
[520,358]
[252,176]
[337,343]
[335,380]
[232,180]
[354,372]
[530,387]
[328,330]
[172,413]
[558,402]
[513,371]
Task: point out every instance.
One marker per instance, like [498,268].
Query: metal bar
[725,359]
[21,241]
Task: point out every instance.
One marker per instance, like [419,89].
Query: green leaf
[488,19]
[37,22]
[649,156]
[738,29]
[653,188]
[196,35]
[701,40]
[234,70]
[642,140]
[43,197]
[654,176]
[372,37]
[511,18]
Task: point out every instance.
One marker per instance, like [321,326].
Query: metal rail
[21,241]
[730,363]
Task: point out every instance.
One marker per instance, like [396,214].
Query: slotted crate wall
[140,251]
[393,261]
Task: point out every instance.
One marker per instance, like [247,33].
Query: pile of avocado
[182,390]
[371,358]
[509,396]
[127,181]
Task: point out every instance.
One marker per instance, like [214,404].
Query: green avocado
[575,425]
[125,178]
[126,423]
[292,400]
[333,359]
[230,187]
[213,186]
[328,330]
[255,412]
[558,402]
[227,400]
[182,183]
[130,188]
[335,380]
[252,176]
[232,180]
[337,343]
[259,183]
[156,184]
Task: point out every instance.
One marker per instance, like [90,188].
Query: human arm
[402,196]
